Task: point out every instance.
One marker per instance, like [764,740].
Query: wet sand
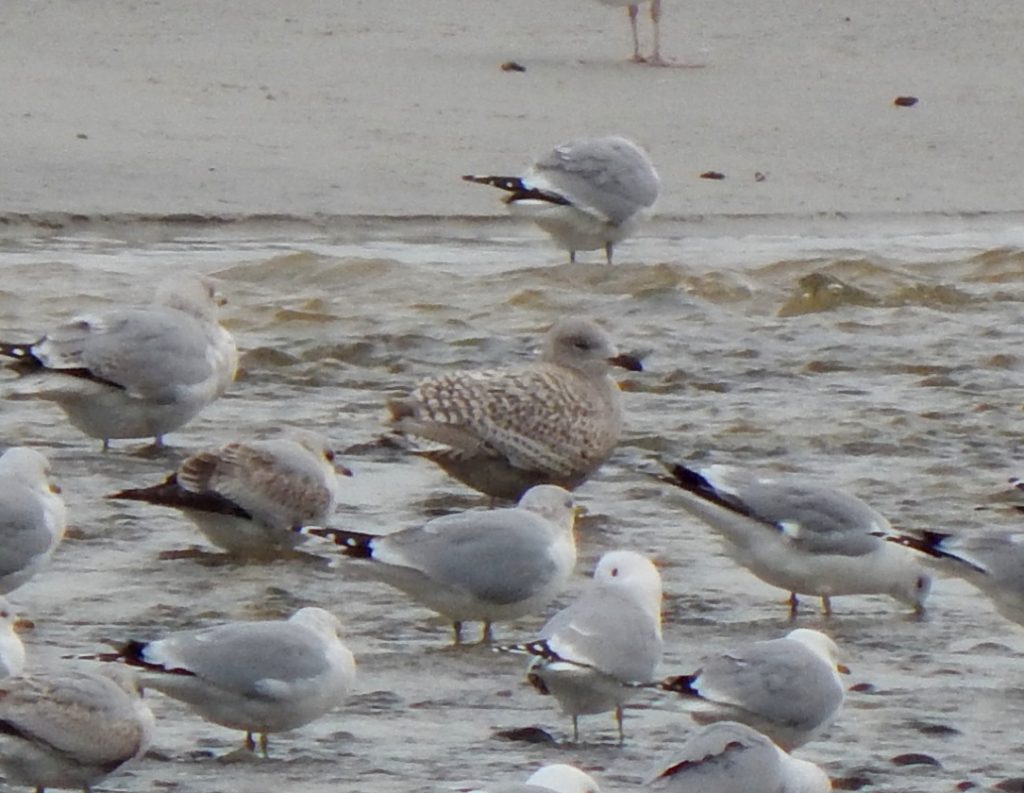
[375,107]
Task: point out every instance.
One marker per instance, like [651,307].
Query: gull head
[633,574]
[190,294]
[818,643]
[27,466]
[320,620]
[581,345]
[553,503]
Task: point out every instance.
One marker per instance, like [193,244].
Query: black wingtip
[681,684]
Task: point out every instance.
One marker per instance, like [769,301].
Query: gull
[788,688]
[728,757]
[32,516]
[593,654]
[12,651]
[487,565]
[802,537]
[655,58]
[247,496]
[261,677]
[557,777]
[992,562]
[133,372]
[502,431]
[69,729]
[588,194]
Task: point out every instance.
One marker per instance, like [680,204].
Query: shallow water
[882,357]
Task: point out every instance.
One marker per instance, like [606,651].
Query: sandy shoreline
[375,108]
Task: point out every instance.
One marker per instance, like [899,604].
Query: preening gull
[588,194]
[247,496]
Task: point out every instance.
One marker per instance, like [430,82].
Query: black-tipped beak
[842,669]
[627,361]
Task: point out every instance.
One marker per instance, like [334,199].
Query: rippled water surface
[883,359]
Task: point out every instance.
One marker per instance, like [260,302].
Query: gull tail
[681,684]
[170,493]
[694,482]
[517,189]
[132,653]
[356,544]
[24,358]
[931,544]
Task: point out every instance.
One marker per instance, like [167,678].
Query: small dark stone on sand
[712,175]
[915,758]
[525,735]
[1012,785]
[512,66]
[863,688]
[905,101]
[850,782]
[965,785]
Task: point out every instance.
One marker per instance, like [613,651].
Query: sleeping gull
[558,777]
[588,194]
[992,562]
[727,757]
[787,688]
[593,654]
[502,431]
[655,58]
[12,651]
[488,565]
[133,372]
[32,516]
[246,497]
[261,677]
[69,729]
[803,537]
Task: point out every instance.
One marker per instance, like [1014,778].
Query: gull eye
[615,571]
[329,455]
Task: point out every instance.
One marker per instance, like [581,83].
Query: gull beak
[842,669]
[55,488]
[627,361]
[341,469]
[22,624]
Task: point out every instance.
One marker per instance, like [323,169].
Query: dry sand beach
[854,315]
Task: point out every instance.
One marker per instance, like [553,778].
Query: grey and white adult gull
[728,757]
[32,515]
[136,372]
[486,565]
[594,654]
[588,194]
[801,536]
[787,688]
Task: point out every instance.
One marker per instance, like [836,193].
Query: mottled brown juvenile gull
[788,688]
[727,757]
[69,729]
[487,565]
[992,562]
[247,496]
[261,677]
[588,194]
[558,777]
[32,516]
[133,372]
[594,654]
[502,431]
[801,536]
[655,58]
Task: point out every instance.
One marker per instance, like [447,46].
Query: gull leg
[794,605]
[618,720]
[608,252]
[488,634]
[457,631]
[249,743]
[826,606]
[572,257]
[633,11]
[656,59]
[106,444]
[263,746]
[575,728]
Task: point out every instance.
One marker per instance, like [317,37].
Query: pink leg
[633,11]
[655,58]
